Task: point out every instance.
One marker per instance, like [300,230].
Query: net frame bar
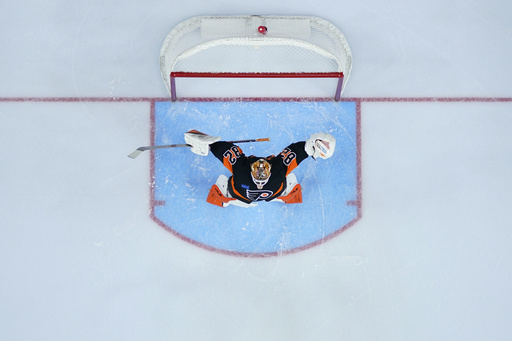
[178,74]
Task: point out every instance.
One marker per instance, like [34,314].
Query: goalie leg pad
[215,197]
[293,192]
[239,203]
[219,195]
[293,197]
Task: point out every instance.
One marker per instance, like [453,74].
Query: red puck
[262,30]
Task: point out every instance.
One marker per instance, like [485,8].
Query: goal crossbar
[338,75]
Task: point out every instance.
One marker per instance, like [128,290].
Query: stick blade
[135,153]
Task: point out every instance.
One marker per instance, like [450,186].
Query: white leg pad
[222,183]
[241,204]
[291,181]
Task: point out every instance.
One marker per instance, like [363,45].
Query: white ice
[430,259]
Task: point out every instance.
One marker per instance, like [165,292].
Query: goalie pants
[219,194]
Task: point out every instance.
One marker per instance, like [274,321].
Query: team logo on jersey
[258,194]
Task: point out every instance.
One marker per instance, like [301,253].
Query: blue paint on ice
[183,179]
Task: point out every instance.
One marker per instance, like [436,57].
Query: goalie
[258,178]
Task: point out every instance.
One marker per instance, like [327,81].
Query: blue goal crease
[183,179]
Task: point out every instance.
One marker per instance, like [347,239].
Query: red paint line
[428,99]
[255,99]
[83,99]
[152,177]
[351,203]
[358,161]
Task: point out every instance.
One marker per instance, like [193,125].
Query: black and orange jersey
[241,185]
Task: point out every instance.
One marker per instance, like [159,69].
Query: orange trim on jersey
[227,164]
[291,166]
[279,190]
[235,192]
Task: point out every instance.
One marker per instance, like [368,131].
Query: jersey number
[288,156]
[232,154]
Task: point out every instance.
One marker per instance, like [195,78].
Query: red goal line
[344,99]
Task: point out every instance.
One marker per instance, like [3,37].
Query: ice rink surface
[82,259]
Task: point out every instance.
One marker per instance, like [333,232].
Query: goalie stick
[139,150]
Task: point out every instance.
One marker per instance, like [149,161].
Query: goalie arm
[228,153]
[293,155]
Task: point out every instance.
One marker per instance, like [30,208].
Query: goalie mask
[260,172]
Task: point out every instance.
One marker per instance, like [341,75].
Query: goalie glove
[200,142]
[320,145]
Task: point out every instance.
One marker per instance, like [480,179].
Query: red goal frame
[181,74]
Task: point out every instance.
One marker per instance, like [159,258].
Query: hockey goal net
[250,47]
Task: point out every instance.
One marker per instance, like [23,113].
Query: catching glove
[320,145]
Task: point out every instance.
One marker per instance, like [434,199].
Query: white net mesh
[232,44]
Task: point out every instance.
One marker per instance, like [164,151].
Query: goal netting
[256,47]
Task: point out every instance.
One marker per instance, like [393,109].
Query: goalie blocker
[255,178]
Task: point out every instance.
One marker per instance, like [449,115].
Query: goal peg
[262,29]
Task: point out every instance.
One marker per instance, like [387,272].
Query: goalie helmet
[260,172]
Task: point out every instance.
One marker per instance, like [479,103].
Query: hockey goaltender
[256,178]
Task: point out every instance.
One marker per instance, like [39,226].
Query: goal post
[249,47]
